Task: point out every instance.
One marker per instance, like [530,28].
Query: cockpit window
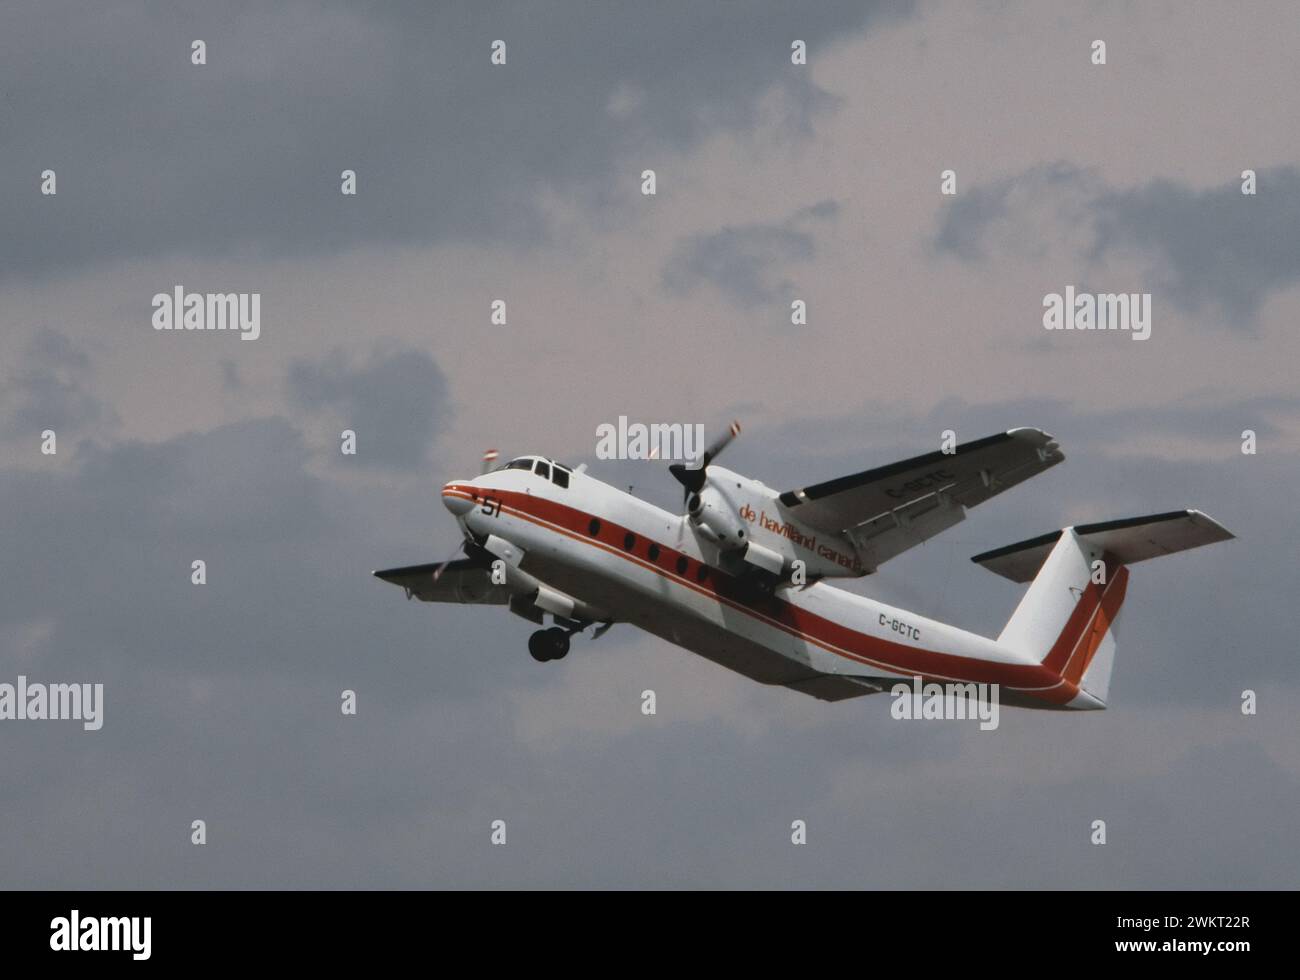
[547,469]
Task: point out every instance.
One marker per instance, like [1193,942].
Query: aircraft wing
[464,580]
[885,511]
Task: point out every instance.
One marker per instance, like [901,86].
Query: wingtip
[1031,432]
[1195,513]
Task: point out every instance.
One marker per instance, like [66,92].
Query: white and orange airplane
[740,578]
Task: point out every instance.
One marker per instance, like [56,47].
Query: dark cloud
[395,402]
[47,389]
[747,262]
[1215,249]
[244,154]
[970,215]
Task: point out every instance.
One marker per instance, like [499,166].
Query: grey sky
[776,182]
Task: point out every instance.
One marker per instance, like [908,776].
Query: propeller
[692,478]
[489,458]
[709,509]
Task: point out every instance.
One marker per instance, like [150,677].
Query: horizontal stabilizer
[1130,540]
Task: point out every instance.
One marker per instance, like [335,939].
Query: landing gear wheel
[539,646]
[559,641]
[551,644]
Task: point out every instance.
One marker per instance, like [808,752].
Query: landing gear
[551,644]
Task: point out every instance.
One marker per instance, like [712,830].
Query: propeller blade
[692,478]
[720,444]
[442,566]
[489,458]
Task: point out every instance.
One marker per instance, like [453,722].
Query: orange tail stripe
[1109,609]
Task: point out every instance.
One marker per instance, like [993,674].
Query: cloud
[46,389]
[243,155]
[1213,251]
[1000,210]
[396,402]
[1215,248]
[747,262]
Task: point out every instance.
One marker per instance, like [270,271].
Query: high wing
[464,580]
[885,511]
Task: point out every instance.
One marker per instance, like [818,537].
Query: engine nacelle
[718,519]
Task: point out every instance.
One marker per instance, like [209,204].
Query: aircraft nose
[456,498]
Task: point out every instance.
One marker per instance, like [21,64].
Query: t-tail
[1066,621]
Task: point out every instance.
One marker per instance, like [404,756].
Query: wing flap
[892,533]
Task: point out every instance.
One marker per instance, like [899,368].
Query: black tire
[540,646]
[559,641]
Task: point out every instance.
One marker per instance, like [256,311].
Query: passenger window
[543,470]
[560,477]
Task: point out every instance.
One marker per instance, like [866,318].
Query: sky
[522,182]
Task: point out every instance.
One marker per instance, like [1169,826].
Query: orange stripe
[1075,625]
[1101,624]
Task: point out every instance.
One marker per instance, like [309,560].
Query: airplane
[742,578]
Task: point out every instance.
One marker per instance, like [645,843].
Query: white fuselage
[640,564]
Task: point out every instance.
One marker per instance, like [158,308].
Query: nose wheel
[551,644]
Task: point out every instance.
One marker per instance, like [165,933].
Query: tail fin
[1066,620]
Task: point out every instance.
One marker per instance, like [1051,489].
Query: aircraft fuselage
[643,565]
